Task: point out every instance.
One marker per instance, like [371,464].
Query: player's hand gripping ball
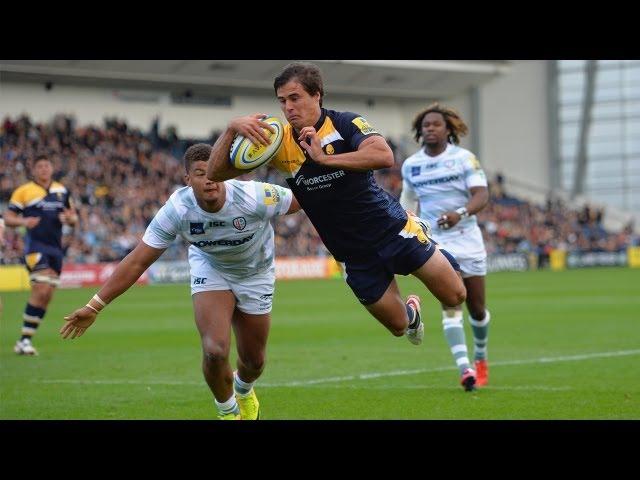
[244,155]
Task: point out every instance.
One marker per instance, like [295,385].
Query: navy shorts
[39,256]
[370,274]
[369,278]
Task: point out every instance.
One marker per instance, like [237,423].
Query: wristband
[463,212]
[89,306]
[98,304]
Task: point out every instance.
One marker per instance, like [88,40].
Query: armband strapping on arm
[96,303]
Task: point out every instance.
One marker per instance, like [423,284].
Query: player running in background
[328,158]
[42,206]
[231,259]
[450,187]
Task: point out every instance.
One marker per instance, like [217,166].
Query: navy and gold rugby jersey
[33,200]
[352,214]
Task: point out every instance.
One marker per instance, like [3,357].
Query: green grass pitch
[563,345]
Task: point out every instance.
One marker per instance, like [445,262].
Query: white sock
[229,406]
[454,333]
[241,387]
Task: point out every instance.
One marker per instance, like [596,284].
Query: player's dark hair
[307,74]
[41,156]
[196,153]
[454,121]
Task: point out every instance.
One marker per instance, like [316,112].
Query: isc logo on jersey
[244,155]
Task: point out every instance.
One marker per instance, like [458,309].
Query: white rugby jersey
[443,183]
[238,239]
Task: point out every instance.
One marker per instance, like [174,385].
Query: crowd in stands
[120,176]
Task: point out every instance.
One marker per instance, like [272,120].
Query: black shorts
[39,256]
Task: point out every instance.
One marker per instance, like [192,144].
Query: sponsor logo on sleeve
[271,195]
[364,126]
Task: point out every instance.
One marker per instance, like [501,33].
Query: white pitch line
[438,387]
[363,376]
[117,382]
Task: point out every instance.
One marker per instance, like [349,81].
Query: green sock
[480,335]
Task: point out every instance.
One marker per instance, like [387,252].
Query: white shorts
[468,248]
[254,294]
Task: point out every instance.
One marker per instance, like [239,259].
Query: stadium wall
[513,114]
[90,105]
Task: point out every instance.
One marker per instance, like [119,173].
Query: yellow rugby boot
[249,405]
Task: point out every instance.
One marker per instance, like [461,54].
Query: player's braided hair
[307,74]
[455,124]
[196,153]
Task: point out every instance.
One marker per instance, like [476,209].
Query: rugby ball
[244,155]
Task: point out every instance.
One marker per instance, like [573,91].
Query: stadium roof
[408,79]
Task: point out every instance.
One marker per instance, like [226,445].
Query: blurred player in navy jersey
[42,206]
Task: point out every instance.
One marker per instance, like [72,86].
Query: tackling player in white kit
[450,187]
[231,259]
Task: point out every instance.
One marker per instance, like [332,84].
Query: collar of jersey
[446,150]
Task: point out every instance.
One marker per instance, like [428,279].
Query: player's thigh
[213,311]
[43,284]
[439,276]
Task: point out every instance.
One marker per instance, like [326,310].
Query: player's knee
[215,352]
[456,296]
[40,299]
[254,362]
[397,331]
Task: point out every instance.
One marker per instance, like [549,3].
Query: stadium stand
[119,177]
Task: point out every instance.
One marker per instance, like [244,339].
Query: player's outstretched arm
[125,275]
[219,167]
